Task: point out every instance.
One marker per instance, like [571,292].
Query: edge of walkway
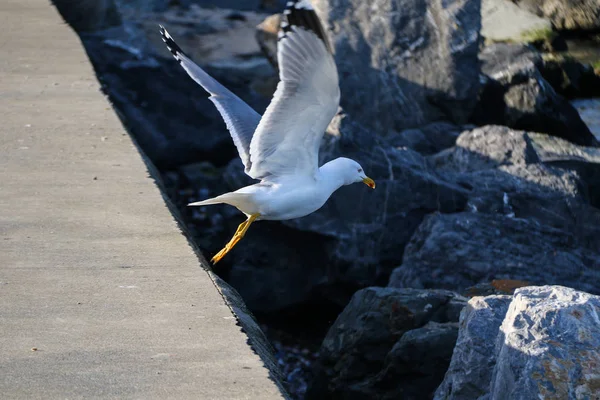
[100,292]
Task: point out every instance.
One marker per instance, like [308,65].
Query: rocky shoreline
[477,255]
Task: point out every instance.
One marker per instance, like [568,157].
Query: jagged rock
[566,14]
[584,160]
[548,346]
[516,95]
[486,147]
[428,139]
[496,13]
[510,151]
[460,250]
[527,175]
[473,359]
[589,110]
[389,54]
[388,343]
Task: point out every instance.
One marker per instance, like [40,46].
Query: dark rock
[584,160]
[566,14]
[569,77]
[473,360]
[368,233]
[526,99]
[505,171]
[168,114]
[547,346]
[460,250]
[277,267]
[390,53]
[568,170]
[428,139]
[89,15]
[417,362]
[388,343]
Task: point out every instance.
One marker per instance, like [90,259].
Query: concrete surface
[101,295]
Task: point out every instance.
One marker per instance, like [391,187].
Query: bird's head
[353,172]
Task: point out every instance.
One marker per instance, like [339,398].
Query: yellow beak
[369,182]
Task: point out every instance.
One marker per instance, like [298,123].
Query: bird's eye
[360,170]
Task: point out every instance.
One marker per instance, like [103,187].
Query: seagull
[281,148]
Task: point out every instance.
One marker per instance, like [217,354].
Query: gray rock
[566,14]
[516,95]
[584,160]
[460,250]
[390,53]
[417,361]
[517,158]
[487,147]
[386,343]
[496,13]
[473,360]
[547,346]
[589,110]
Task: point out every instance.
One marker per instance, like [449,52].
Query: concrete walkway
[101,295]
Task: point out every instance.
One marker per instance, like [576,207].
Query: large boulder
[404,63]
[460,250]
[547,346]
[496,13]
[516,94]
[566,14]
[527,175]
[388,344]
[470,371]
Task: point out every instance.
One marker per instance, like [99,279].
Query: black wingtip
[171,45]
[300,13]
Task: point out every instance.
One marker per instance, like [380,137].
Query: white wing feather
[288,136]
[240,118]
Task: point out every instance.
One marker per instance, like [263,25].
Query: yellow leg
[239,234]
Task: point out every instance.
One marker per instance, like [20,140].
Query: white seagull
[281,149]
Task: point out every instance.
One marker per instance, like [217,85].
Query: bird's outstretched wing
[288,136]
[240,118]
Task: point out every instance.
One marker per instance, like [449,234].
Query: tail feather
[239,200]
